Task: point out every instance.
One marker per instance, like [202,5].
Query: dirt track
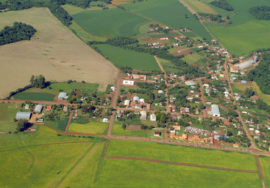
[181,164]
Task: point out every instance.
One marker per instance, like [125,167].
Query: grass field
[54,51]
[181,154]
[245,33]
[118,130]
[103,22]
[265,163]
[34,96]
[7,115]
[192,58]
[201,6]
[255,87]
[68,87]
[90,127]
[169,12]
[59,125]
[123,57]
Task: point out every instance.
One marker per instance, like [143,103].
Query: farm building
[38,108]
[153,117]
[23,115]
[215,110]
[190,83]
[128,82]
[63,96]
[248,63]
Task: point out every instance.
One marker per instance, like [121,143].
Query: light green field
[255,87]
[123,57]
[103,22]
[128,173]
[192,58]
[118,130]
[169,12]
[168,66]
[265,163]
[245,34]
[68,87]
[71,9]
[90,127]
[201,6]
[7,115]
[182,154]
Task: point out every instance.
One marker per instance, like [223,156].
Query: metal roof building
[38,108]
[215,110]
[23,115]
[62,96]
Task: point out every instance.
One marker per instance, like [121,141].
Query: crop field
[59,125]
[34,96]
[201,6]
[7,115]
[54,51]
[118,130]
[123,57]
[68,87]
[103,22]
[169,12]
[90,127]
[265,163]
[245,34]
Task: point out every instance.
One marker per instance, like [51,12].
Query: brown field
[53,51]
[200,6]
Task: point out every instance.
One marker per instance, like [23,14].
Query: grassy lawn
[89,127]
[103,22]
[171,13]
[34,96]
[59,125]
[71,9]
[182,154]
[68,87]
[127,173]
[123,57]
[255,87]
[192,58]
[265,163]
[118,130]
[245,34]
[7,115]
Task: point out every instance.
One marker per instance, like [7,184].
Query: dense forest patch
[19,31]
[261,12]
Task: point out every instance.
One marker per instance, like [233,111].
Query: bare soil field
[54,51]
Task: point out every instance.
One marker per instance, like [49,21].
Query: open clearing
[7,115]
[265,163]
[90,127]
[201,6]
[54,51]
[246,33]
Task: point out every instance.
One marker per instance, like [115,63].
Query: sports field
[7,115]
[245,34]
[54,51]
[121,57]
[169,12]
[109,23]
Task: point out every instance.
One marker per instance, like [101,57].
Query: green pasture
[36,96]
[109,23]
[121,57]
[88,127]
[130,173]
[192,58]
[265,163]
[59,125]
[182,154]
[68,87]
[7,115]
[171,13]
[245,34]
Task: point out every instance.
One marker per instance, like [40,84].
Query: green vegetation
[265,163]
[261,13]
[246,33]
[18,32]
[120,131]
[34,96]
[102,22]
[171,13]
[223,4]
[7,115]
[127,58]
[72,85]
[59,125]
[181,154]
[60,13]
[192,58]
[88,127]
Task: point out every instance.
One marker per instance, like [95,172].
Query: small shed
[157,133]
[63,96]
[23,115]
[38,109]
[153,117]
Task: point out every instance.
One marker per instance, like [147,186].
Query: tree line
[223,4]
[19,31]
[261,12]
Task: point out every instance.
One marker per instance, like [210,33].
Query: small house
[157,133]
[143,115]
[126,102]
[105,120]
[153,117]
[23,115]
[128,82]
[215,110]
[62,96]
[48,108]
[38,109]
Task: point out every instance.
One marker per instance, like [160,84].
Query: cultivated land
[245,33]
[174,14]
[7,114]
[265,163]
[121,57]
[103,22]
[54,52]
[201,6]
[90,127]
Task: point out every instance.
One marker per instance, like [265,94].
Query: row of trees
[261,12]
[223,4]
[19,31]
[60,13]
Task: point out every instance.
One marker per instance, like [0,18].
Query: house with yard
[128,82]
[38,109]
[62,96]
[23,115]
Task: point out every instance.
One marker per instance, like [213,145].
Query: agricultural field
[246,33]
[36,95]
[118,130]
[127,58]
[88,127]
[192,58]
[59,125]
[174,15]
[7,115]
[68,87]
[102,22]
[265,163]
[54,51]
[201,6]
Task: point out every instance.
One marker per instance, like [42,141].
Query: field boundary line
[69,120]
[181,164]
[260,170]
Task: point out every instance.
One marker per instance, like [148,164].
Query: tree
[22,125]
[38,81]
